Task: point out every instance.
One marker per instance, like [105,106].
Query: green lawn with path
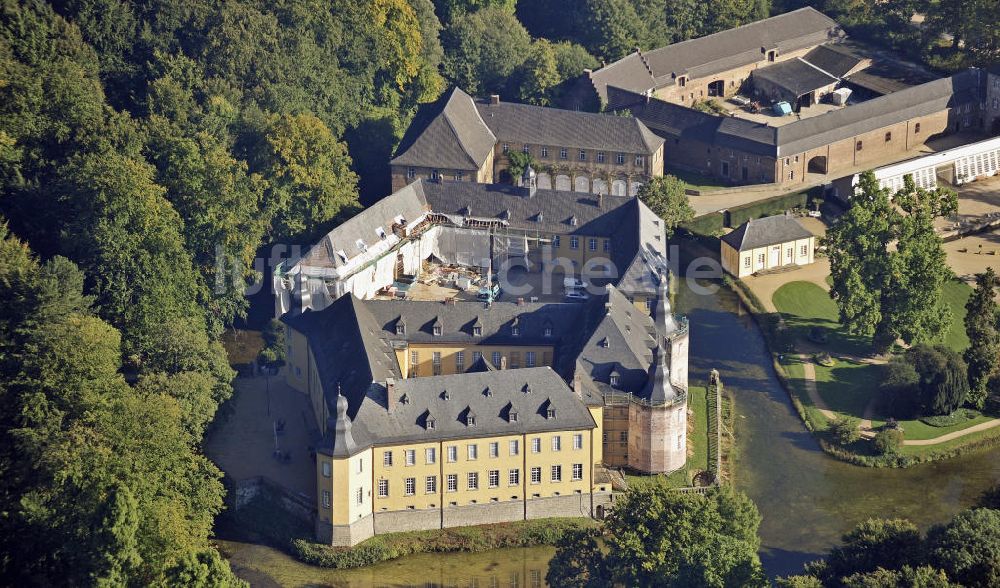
[849,386]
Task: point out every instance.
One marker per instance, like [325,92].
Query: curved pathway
[955,434]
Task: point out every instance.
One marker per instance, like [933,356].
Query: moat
[807,498]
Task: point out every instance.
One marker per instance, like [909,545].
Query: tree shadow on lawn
[848,387]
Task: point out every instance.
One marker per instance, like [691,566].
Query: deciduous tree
[666,196]
[981,319]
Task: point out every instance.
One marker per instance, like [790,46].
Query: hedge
[466,539]
[767,207]
[710,224]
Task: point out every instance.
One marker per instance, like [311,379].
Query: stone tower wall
[657,440]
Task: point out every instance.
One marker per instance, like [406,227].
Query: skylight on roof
[380,232]
[361,245]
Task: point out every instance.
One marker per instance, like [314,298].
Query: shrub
[845,430]
[767,207]
[888,441]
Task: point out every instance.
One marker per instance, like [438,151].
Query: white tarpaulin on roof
[466,247]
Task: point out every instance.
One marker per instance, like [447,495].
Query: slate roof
[527,392]
[802,135]
[794,77]
[352,346]
[718,52]
[762,232]
[447,134]
[538,125]
[833,58]
[405,203]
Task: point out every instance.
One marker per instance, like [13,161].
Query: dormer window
[615,379]
[445,395]
[550,413]
[470,418]
[400,328]
[404,399]
[342,255]
[513,416]
[380,232]
[526,389]
[572,221]
[488,393]
[515,331]
[547,331]
[540,218]
[361,245]
[437,330]
[605,343]
[431,423]
[477,331]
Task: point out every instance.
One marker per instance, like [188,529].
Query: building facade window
[592,244]
[916,128]
[583,155]
[620,159]
[473,452]
[563,154]
[536,475]
[545,152]
[326,499]
[529,359]
[326,469]
[574,242]
[411,173]
[383,488]
[436,362]
[536,445]
[452,454]
[600,157]
[760,259]
[607,245]
[638,160]
[578,471]
[430,455]
[557,443]
[804,250]
[410,486]
[515,447]
[506,148]
[359,495]
[513,477]
[746,261]
[578,441]
[859,145]
[557,473]
[496,359]
[414,363]
[473,481]
[387,458]
[452,482]
[526,148]
[460,176]
[493,478]
[431,485]
[460,361]
[555,242]
[888,137]
[494,449]
[410,456]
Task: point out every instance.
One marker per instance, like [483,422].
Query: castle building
[441,414]
[432,414]
[801,58]
[462,139]
[609,239]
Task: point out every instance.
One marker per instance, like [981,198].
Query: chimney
[390,394]
[577,386]
[494,99]
[503,362]
[520,301]
[600,200]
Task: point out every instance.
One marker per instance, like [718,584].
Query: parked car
[577,296]
[573,284]
[815,213]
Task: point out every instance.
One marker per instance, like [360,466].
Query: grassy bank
[257,522]
[849,386]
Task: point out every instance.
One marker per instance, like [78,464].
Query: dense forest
[141,143]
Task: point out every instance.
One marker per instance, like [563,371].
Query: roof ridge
[447,118]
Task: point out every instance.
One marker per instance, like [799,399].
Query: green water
[807,499]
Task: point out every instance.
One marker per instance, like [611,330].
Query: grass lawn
[848,386]
[694,180]
[697,443]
